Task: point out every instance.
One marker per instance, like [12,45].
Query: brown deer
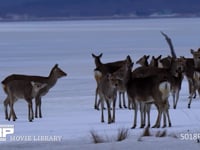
[150,89]
[17,89]
[189,73]
[177,66]
[107,93]
[50,80]
[106,68]
[193,74]
[145,108]
[173,74]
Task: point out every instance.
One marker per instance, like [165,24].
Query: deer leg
[6,103]
[120,103]
[174,99]
[40,110]
[148,107]
[167,113]
[38,107]
[169,120]
[114,102]
[30,111]
[102,108]
[99,102]
[96,106]
[177,97]
[142,114]
[164,119]
[157,124]
[193,90]
[14,115]
[109,113]
[36,104]
[199,91]
[129,104]
[11,112]
[124,100]
[135,116]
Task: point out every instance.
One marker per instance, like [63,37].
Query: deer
[174,67]
[145,108]
[193,73]
[173,74]
[21,89]
[124,73]
[179,65]
[150,89]
[105,68]
[107,93]
[50,80]
[165,63]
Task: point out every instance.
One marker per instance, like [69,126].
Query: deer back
[110,67]
[22,89]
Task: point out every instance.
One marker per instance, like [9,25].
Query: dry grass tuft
[96,137]
[146,132]
[122,134]
[161,133]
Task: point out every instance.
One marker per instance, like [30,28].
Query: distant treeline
[27,9]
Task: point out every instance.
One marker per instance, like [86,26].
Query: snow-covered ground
[68,113]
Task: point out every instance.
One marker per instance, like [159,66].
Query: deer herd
[151,83]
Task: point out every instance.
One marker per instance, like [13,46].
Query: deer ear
[56,65]
[93,55]
[100,55]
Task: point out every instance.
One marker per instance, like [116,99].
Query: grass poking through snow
[122,134]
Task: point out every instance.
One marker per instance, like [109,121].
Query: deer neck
[98,62]
[52,79]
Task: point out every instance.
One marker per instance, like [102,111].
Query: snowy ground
[34,48]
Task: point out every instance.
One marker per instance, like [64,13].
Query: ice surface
[34,48]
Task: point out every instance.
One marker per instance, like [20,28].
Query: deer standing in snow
[50,81]
[23,89]
[194,74]
[104,69]
[150,89]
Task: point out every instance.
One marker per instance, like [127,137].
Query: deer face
[143,61]
[97,59]
[114,81]
[178,66]
[155,61]
[196,57]
[58,72]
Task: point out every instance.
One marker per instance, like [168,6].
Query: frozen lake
[35,47]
